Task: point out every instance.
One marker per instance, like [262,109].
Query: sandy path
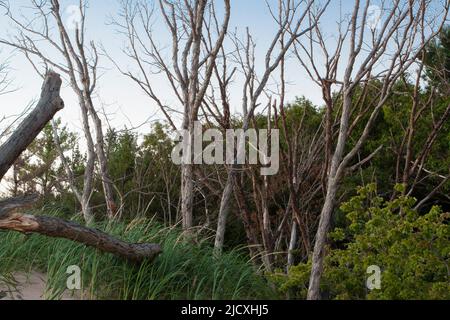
[29,287]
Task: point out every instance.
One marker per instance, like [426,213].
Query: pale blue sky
[123,101]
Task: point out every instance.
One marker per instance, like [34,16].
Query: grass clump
[185,269]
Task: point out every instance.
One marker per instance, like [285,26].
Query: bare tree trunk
[249,219]
[88,180]
[107,182]
[187,195]
[292,245]
[83,198]
[224,211]
[10,216]
[334,177]
[321,239]
[49,104]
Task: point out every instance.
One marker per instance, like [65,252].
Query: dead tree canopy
[11,210]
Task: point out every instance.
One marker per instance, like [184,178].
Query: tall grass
[185,269]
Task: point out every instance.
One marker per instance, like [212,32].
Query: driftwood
[11,210]
[11,218]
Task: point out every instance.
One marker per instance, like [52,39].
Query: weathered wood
[12,219]
[13,204]
[49,104]
[11,210]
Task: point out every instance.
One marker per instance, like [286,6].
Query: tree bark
[225,204]
[187,196]
[292,246]
[321,240]
[49,104]
[11,219]
[107,182]
[10,216]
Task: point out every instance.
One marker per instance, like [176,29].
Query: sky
[120,100]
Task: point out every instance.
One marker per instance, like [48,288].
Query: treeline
[384,121]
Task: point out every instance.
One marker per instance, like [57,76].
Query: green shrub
[412,251]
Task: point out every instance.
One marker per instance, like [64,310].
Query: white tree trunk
[292,245]
[225,204]
[187,195]
[321,239]
[107,182]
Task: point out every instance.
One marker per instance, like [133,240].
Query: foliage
[412,248]
[38,168]
[437,59]
[413,252]
[390,131]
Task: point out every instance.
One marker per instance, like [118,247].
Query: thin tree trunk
[327,210]
[249,219]
[187,195]
[224,211]
[88,181]
[321,239]
[67,169]
[107,182]
[292,245]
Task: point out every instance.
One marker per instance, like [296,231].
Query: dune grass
[185,270]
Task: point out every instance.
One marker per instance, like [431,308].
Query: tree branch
[11,216]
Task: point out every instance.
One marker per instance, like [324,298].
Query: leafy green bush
[412,251]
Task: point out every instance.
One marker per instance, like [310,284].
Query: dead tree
[188,73]
[49,104]
[71,57]
[411,168]
[11,210]
[394,47]
[291,26]
[12,219]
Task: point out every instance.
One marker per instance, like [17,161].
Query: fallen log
[12,216]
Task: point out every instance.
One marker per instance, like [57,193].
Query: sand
[26,287]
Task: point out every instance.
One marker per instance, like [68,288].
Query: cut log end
[145,251]
[52,83]
[20,223]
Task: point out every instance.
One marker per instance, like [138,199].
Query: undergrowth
[185,270]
